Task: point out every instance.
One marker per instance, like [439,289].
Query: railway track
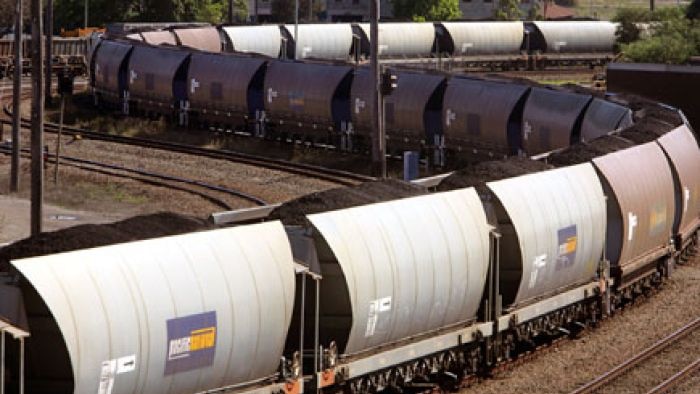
[615,374]
[339,177]
[186,185]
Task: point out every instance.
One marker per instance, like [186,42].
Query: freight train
[70,54]
[388,296]
[502,45]
[442,116]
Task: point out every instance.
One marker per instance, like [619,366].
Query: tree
[508,10]
[7,14]
[282,11]
[693,11]
[426,10]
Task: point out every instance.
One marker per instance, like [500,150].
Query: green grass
[606,9]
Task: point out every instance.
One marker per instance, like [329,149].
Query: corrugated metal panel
[479,112]
[265,40]
[108,59]
[159,37]
[641,202]
[204,39]
[134,301]
[549,119]
[602,117]
[682,148]
[402,39]
[410,266]
[148,81]
[322,41]
[303,90]
[221,81]
[478,38]
[577,36]
[559,221]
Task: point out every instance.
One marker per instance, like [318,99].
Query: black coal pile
[94,235]
[489,171]
[586,151]
[294,211]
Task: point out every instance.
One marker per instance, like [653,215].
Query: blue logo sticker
[568,242]
[191,342]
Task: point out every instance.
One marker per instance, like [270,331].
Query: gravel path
[573,363]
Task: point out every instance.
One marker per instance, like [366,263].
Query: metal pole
[296,27]
[302,313]
[378,143]
[16,91]
[230,12]
[651,5]
[21,365]
[86,14]
[317,357]
[2,361]
[37,142]
[311,8]
[49,51]
[58,139]
[255,15]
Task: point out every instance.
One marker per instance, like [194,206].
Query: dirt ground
[575,362]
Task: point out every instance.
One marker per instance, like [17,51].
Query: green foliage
[672,38]
[282,11]
[426,10]
[508,10]
[69,14]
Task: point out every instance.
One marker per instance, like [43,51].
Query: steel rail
[637,359]
[153,178]
[340,177]
[677,378]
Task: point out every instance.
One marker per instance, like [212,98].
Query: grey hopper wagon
[179,314]
[483,119]
[552,120]
[465,39]
[382,285]
[553,231]
[204,38]
[264,40]
[320,41]
[160,89]
[641,208]
[681,147]
[308,98]
[225,88]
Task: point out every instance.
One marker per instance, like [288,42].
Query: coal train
[441,115]
[433,288]
[517,44]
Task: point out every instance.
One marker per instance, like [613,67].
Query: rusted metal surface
[225,83]
[671,84]
[480,113]
[159,37]
[682,149]
[602,117]
[146,80]
[205,38]
[549,119]
[481,38]
[309,92]
[641,203]
[109,60]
